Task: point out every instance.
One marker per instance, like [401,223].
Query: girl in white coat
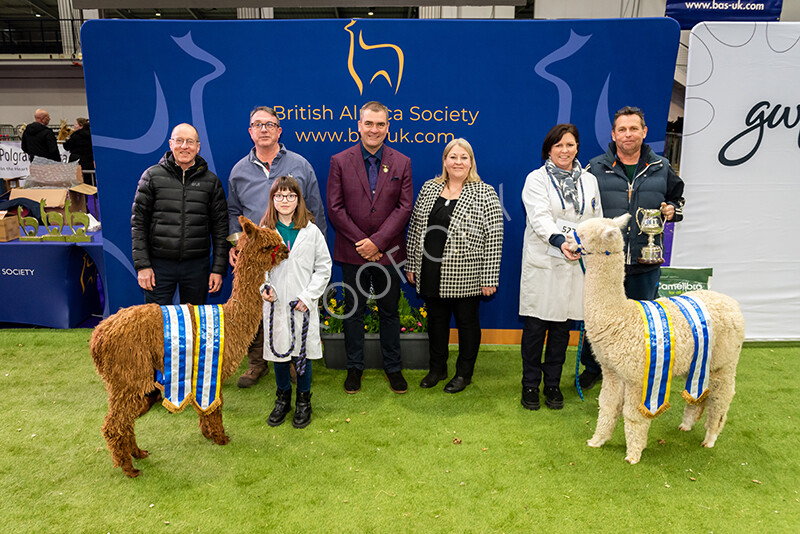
[557,197]
[291,292]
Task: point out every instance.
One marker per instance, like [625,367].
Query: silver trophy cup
[651,223]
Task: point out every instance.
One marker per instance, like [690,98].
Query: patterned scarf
[566,180]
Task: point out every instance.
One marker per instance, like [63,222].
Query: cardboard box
[9,226]
[55,198]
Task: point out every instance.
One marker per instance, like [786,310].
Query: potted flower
[413,333]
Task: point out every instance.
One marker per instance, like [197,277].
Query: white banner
[741,166]
[13,161]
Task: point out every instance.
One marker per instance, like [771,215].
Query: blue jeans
[283,377]
[640,286]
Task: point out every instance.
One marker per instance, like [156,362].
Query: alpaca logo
[382,72]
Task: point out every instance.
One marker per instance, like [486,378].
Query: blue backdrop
[500,84]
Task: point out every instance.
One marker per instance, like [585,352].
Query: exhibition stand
[51,283]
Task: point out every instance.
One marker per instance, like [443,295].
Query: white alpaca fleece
[615,329]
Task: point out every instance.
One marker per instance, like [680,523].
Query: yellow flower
[332,302]
[423,313]
[326,322]
[365,327]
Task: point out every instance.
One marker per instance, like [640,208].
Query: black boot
[302,410]
[283,404]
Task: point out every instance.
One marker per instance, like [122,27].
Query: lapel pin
[385,169]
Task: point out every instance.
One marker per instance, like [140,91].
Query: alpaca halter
[582,250]
[300,361]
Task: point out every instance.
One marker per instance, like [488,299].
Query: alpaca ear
[622,220]
[609,232]
[247,226]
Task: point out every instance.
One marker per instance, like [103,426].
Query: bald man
[179,212]
[38,139]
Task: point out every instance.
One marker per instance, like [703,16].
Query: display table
[52,284]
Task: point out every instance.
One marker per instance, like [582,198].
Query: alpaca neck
[243,310]
[604,288]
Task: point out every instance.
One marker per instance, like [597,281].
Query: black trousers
[465,312]
[189,277]
[385,283]
[555,353]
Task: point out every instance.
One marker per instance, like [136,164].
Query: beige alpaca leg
[721,391]
[636,425]
[119,433]
[211,426]
[691,415]
[611,398]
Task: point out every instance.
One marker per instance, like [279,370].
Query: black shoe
[352,384]
[397,383]
[302,410]
[431,379]
[283,404]
[458,383]
[530,398]
[588,379]
[553,398]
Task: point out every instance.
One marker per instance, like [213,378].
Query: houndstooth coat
[474,241]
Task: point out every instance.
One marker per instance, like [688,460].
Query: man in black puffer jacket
[38,139]
[178,212]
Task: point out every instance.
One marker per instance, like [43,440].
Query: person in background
[557,197]
[455,242]
[79,146]
[631,176]
[38,139]
[249,188]
[370,196]
[292,290]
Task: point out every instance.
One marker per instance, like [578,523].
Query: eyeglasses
[179,141]
[258,126]
[291,197]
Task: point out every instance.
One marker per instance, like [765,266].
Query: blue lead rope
[582,331]
[300,361]
[578,361]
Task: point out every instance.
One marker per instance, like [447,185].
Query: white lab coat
[304,275]
[551,288]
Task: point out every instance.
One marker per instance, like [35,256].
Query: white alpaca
[615,328]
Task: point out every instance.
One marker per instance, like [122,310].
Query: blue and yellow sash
[192,360]
[697,316]
[659,347]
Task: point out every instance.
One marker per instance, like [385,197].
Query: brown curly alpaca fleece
[615,329]
[129,345]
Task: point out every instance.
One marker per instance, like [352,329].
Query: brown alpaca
[128,346]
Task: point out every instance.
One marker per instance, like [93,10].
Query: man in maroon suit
[370,198]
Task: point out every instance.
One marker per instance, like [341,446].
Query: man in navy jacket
[631,176]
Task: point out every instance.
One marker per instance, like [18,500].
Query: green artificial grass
[379,462]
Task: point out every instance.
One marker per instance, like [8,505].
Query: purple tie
[372,173]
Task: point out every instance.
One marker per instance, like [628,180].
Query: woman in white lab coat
[557,197]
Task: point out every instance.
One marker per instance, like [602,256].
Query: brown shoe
[250,377]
